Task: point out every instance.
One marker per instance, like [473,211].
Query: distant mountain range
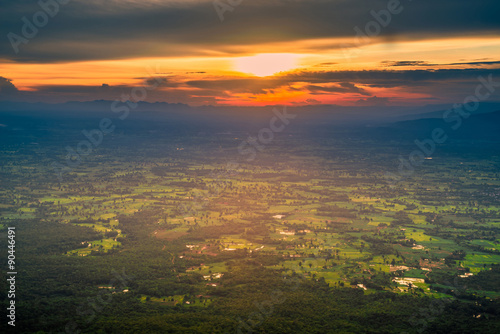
[482,126]
[377,121]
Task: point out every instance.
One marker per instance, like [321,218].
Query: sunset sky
[263,52]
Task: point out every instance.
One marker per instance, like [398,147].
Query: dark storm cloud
[58,93]
[379,78]
[120,29]
[479,63]
[406,63]
[427,64]
[160,82]
[343,87]
[243,85]
[324,65]
[373,101]
[448,82]
[7,88]
[79,89]
[319,82]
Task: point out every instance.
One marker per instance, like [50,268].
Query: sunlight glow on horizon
[266,64]
[262,78]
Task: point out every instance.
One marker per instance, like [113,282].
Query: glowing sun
[266,64]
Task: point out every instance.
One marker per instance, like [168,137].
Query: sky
[248,52]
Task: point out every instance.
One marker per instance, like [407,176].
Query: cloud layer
[83,30]
[400,87]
